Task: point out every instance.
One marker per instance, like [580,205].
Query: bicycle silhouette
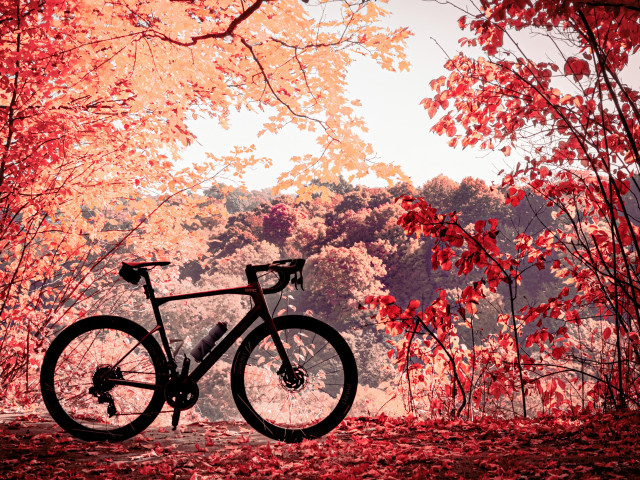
[293,377]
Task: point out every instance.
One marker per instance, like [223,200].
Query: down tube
[225,344]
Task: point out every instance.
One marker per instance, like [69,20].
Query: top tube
[132,272]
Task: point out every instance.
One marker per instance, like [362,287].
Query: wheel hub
[299,380]
[103,379]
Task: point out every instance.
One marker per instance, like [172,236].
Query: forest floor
[588,447]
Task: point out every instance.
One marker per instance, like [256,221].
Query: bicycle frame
[259,310]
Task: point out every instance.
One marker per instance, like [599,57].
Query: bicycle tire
[327,374]
[76,372]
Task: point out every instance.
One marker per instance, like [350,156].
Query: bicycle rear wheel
[308,406]
[103,379]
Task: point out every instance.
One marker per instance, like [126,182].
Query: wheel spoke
[304,401]
[91,374]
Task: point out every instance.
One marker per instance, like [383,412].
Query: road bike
[293,377]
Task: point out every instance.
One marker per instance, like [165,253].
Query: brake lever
[298,280]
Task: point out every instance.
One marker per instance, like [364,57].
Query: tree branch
[225,33]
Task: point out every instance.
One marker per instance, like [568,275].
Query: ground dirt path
[30,441]
[589,447]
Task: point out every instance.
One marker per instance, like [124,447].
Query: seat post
[148,289]
[150,293]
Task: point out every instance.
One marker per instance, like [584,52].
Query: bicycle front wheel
[307,406]
[103,378]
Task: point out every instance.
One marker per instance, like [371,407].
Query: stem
[12,104]
[453,366]
[603,68]
[515,338]
[412,407]
[617,314]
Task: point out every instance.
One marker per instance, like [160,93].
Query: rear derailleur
[103,383]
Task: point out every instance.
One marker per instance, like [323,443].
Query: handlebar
[133,272]
[284,269]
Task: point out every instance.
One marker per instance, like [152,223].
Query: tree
[576,124]
[474,200]
[337,277]
[281,222]
[94,102]
[439,192]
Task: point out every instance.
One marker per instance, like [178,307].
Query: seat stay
[151,332]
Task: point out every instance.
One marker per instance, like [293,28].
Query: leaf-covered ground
[605,446]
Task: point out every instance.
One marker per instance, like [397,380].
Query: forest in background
[354,249]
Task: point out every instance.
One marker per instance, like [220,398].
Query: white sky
[398,124]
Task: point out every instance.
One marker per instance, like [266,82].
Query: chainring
[181,394]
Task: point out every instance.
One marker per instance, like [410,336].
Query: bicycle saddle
[130,272]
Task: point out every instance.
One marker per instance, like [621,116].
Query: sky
[398,124]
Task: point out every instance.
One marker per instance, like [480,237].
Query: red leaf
[388,299]
[576,67]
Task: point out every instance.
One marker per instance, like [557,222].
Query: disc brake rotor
[298,382]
